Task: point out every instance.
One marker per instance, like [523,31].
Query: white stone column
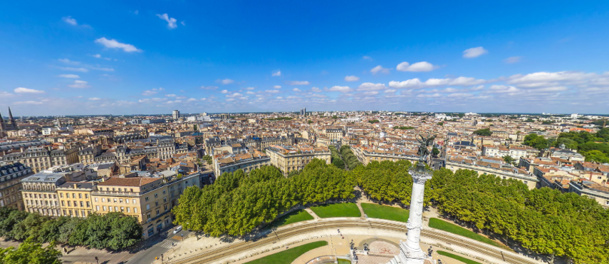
[410,250]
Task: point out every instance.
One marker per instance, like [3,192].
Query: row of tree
[238,203]
[110,231]
[337,160]
[348,157]
[543,220]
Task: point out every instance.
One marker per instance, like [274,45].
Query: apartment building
[39,192]
[10,184]
[145,198]
[245,161]
[295,158]
[41,158]
[75,198]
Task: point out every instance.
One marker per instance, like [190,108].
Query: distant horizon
[225,56]
[297,112]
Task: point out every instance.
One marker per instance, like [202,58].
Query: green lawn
[459,258]
[293,217]
[337,210]
[455,229]
[385,212]
[288,256]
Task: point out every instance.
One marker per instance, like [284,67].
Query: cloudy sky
[129,57]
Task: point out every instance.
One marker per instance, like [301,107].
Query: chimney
[75,185]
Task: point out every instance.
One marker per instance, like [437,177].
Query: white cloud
[351,78]
[224,91]
[234,95]
[474,52]
[69,76]
[277,86]
[250,88]
[514,59]
[171,95]
[299,83]
[97,56]
[429,95]
[226,81]
[171,22]
[74,69]
[540,79]
[342,89]
[368,86]
[433,82]
[450,90]
[379,69]
[183,23]
[371,93]
[421,66]
[316,89]
[272,91]
[276,73]
[67,61]
[191,100]
[113,44]
[296,90]
[250,92]
[410,83]
[28,103]
[152,91]
[503,89]
[79,84]
[390,91]
[368,58]
[70,20]
[22,90]
[94,99]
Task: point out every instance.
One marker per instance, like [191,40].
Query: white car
[178,229]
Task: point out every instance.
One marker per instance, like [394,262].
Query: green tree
[508,159]
[435,151]
[209,159]
[536,141]
[483,132]
[31,253]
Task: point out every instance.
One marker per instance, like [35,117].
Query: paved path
[315,230]
[313,214]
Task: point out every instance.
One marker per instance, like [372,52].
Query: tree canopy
[536,141]
[483,132]
[113,231]
[30,252]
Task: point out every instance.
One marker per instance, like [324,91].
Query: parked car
[178,229]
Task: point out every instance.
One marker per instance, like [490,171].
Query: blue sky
[129,57]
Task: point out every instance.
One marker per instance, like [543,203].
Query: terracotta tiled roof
[134,181]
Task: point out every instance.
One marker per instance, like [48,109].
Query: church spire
[1,123]
[12,120]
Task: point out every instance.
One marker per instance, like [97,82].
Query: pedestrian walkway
[361,210]
[315,216]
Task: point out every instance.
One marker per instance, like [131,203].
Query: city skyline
[128,58]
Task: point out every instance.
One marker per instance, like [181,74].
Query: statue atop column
[410,250]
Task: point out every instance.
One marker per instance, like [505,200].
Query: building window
[96,199]
[128,209]
[86,196]
[126,200]
[97,208]
[79,196]
[104,208]
[135,209]
[148,207]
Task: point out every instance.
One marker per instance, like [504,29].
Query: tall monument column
[410,250]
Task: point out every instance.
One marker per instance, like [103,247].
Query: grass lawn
[455,229]
[337,210]
[293,217]
[385,212]
[287,256]
[459,258]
